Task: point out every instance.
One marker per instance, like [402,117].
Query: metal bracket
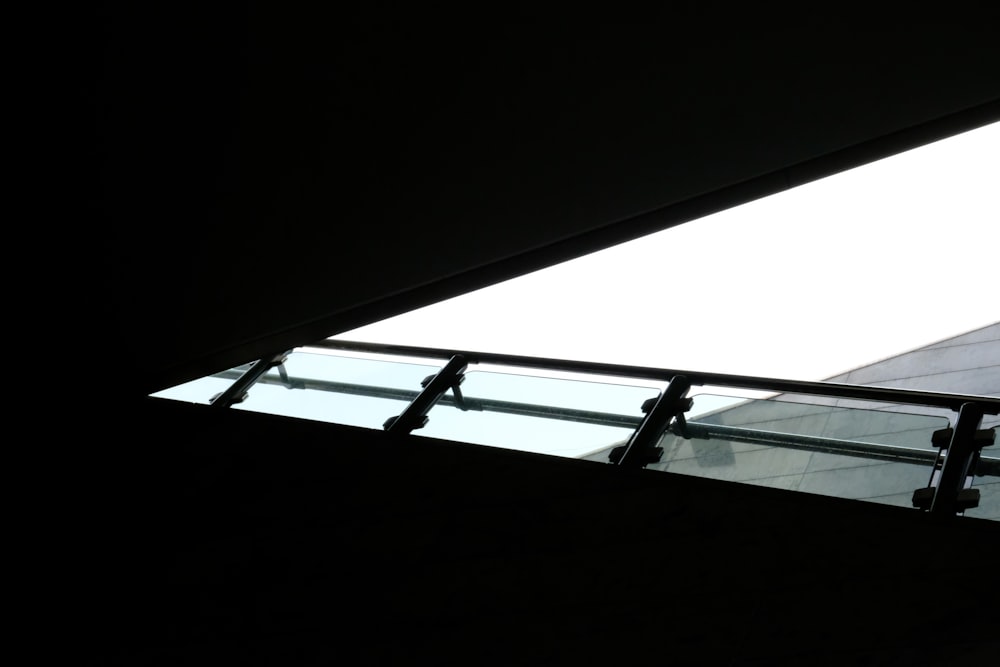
[238,391]
[641,449]
[965,499]
[434,387]
[652,455]
[949,489]
[923,497]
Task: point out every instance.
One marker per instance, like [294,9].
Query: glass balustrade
[557,416]
[203,390]
[343,390]
[866,454]
[843,446]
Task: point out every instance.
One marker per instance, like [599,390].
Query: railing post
[236,392]
[641,448]
[950,495]
[415,414]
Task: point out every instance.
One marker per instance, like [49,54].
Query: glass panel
[203,389]
[879,455]
[989,497]
[343,390]
[557,416]
[987,478]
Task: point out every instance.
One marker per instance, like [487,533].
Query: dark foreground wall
[232,538]
[266,176]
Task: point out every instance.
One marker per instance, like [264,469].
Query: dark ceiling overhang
[268,179]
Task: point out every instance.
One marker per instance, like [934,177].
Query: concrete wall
[967,364]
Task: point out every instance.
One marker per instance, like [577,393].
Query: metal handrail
[469,403]
[990,404]
[870,450]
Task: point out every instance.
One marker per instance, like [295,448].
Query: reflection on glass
[203,390]
[556,416]
[343,390]
[987,481]
[866,454]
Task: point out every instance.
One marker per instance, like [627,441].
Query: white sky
[804,284]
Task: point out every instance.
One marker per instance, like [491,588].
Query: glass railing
[203,390]
[865,454]
[557,416]
[872,444]
[343,390]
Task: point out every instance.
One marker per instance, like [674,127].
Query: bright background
[804,284]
